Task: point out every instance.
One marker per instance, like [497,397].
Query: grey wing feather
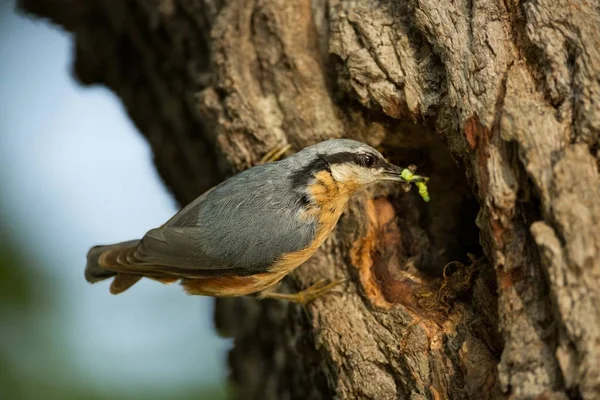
[245,222]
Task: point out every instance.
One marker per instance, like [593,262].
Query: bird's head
[350,163]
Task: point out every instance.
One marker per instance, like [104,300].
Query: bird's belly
[231,285]
[242,285]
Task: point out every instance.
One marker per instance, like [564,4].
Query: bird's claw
[275,154]
[307,295]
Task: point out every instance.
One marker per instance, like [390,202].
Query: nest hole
[440,231]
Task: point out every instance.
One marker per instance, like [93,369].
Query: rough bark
[497,101]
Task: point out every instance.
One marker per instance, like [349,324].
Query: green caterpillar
[419,181]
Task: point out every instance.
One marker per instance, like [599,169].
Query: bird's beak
[399,174]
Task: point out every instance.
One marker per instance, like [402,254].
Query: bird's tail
[108,261]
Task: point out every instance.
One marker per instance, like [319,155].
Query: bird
[243,236]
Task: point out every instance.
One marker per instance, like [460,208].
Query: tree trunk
[491,290]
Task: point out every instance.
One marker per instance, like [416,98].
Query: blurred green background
[75,173]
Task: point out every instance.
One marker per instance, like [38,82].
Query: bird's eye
[368,160]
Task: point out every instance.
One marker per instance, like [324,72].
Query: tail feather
[119,261]
[122,282]
[100,259]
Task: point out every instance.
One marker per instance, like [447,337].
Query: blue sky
[74,172]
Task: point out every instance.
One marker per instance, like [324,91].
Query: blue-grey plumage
[257,224]
[234,225]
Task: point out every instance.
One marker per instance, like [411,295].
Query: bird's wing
[244,224]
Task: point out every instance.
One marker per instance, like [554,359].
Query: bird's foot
[306,296]
[275,154]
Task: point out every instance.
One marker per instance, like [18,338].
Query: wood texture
[496,100]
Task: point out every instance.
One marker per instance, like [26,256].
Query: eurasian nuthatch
[247,233]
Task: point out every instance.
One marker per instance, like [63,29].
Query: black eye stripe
[355,158]
[301,177]
[323,162]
